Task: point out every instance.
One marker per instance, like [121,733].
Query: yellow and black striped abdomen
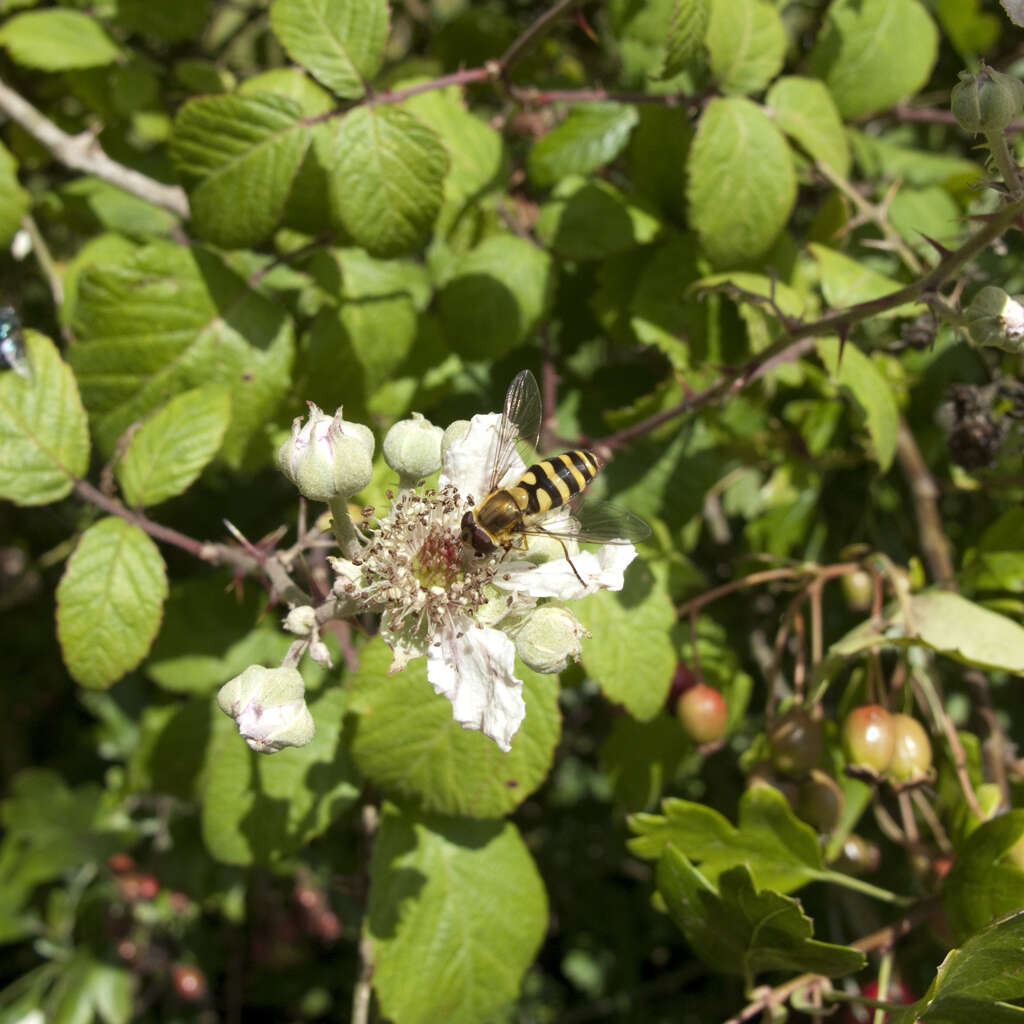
[552,482]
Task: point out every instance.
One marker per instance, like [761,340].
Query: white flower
[457,608]
[1014,10]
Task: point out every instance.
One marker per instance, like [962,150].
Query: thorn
[587,30]
[937,246]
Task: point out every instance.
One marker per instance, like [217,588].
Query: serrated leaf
[686,31]
[873,53]
[209,636]
[114,209]
[805,111]
[636,674]
[739,931]
[742,185]
[374,325]
[406,742]
[172,448]
[588,219]
[340,41]
[973,982]
[88,990]
[44,432]
[746,43]
[845,282]
[983,883]
[164,319]
[387,179]
[109,602]
[57,40]
[946,623]
[258,808]
[14,200]
[997,562]
[855,372]
[497,296]
[591,136]
[242,154]
[457,913]
[641,31]
[781,852]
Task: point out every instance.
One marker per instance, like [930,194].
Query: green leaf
[740,931]
[642,758]
[375,323]
[591,136]
[974,981]
[498,295]
[406,742]
[805,111]
[164,319]
[457,913]
[14,200]
[475,149]
[44,432]
[882,157]
[945,623]
[747,44]
[340,41]
[171,23]
[686,31]
[636,674]
[109,602]
[742,185]
[172,448]
[259,808]
[873,53]
[970,30]
[845,282]
[781,852]
[88,990]
[997,562]
[208,637]
[854,372]
[387,179]
[242,154]
[591,220]
[983,883]
[114,209]
[57,40]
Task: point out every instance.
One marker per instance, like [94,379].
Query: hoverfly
[514,509]
[12,343]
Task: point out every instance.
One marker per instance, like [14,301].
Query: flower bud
[996,319]
[549,638]
[301,621]
[413,447]
[269,708]
[320,653]
[987,101]
[326,457]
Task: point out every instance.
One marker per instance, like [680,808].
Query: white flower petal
[600,571]
[466,463]
[475,672]
[1014,10]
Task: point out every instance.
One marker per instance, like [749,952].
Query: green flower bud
[996,319]
[326,457]
[987,101]
[269,708]
[413,447]
[548,638]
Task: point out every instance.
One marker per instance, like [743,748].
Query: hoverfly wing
[13,350]
[604,523]
[520,422]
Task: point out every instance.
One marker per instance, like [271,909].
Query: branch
[800,337]
[83,153]
[533,33]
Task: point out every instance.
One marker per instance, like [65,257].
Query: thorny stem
[1004,160]
[800,336]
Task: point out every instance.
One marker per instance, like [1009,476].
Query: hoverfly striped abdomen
[554,482]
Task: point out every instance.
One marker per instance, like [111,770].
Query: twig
[44,259]
[801,336]
[83,153]
[533,33]
[923,489]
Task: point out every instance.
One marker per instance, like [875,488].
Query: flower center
[438,561]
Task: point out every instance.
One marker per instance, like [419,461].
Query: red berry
[869,737]
[189,982]
[682,680]
[703,713]
[795,742]
[912,750]
[119,863]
